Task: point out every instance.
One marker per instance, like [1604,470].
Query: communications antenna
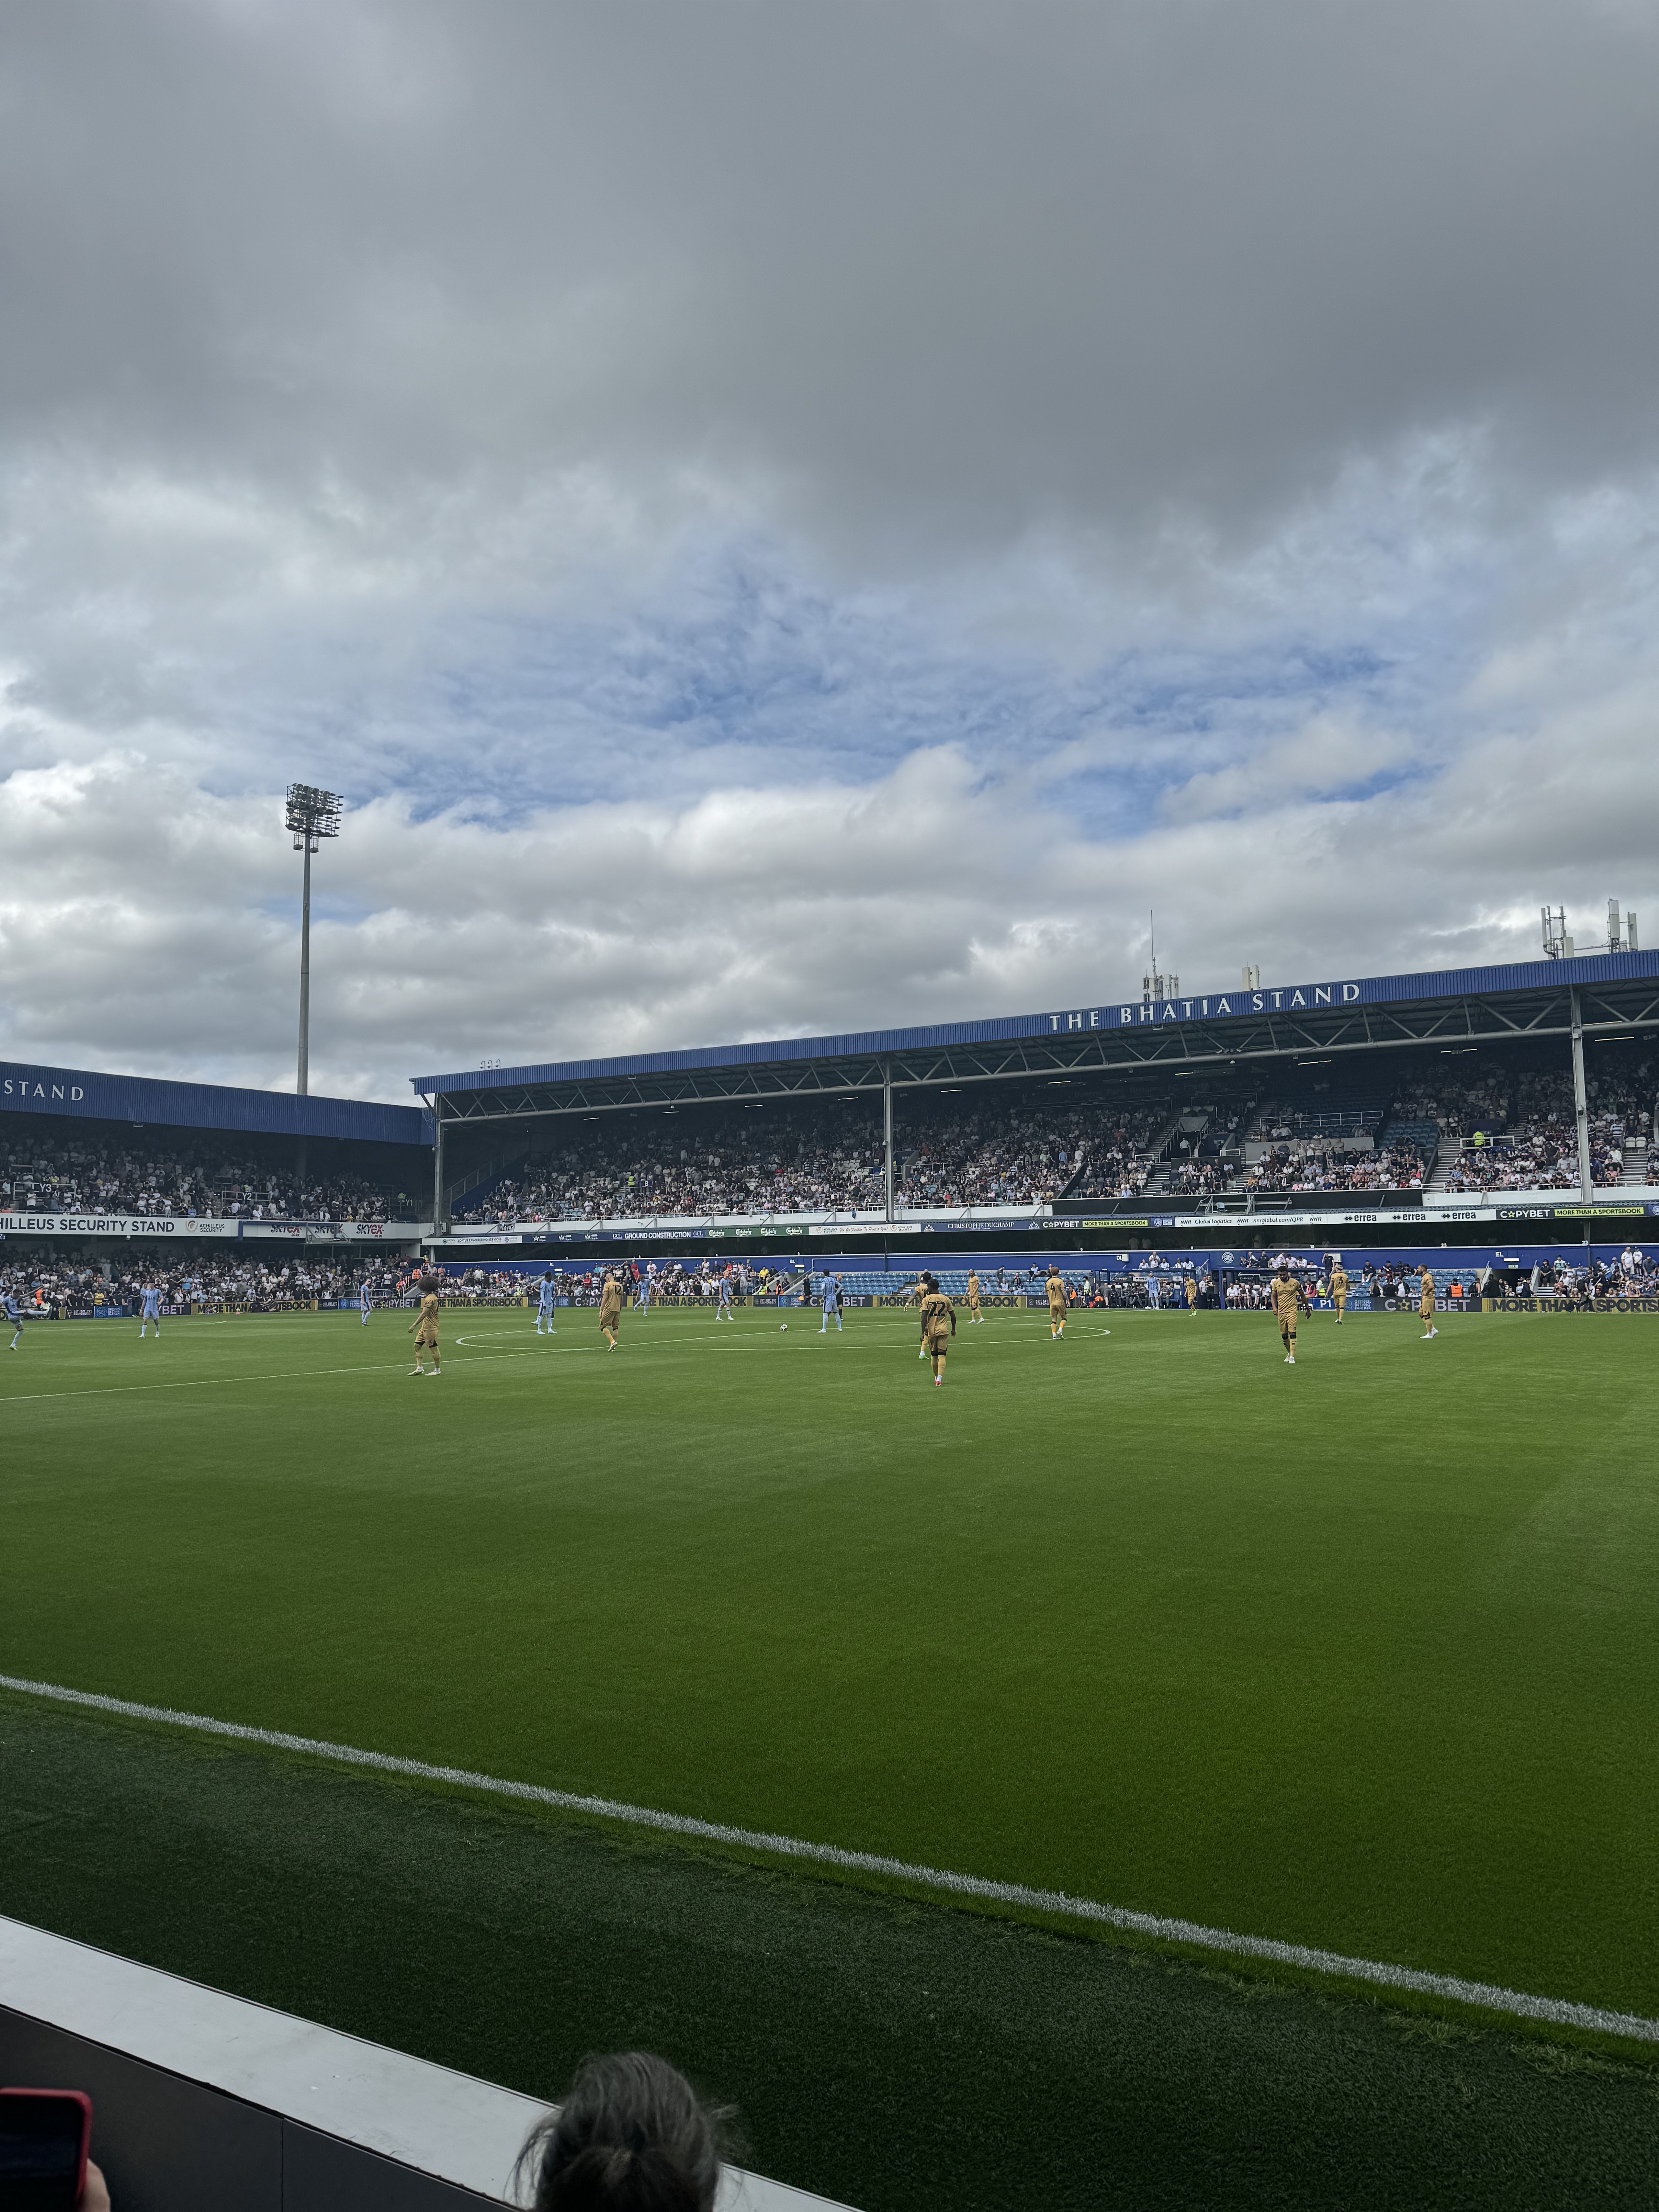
[311,816]
[1616,943]
[1557,945]
[1153,985]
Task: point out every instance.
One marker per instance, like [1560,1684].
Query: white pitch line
[213,1382]
[1488,1996]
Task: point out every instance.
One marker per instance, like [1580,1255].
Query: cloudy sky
[782,515]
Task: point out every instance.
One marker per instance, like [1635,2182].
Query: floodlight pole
[1581,1107]
[303,1083]
[311,816]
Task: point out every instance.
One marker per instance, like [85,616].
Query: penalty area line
[1558,2012]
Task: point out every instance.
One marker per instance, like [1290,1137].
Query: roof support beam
[1192,1049]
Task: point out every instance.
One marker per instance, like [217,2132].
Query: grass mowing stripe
[215,1382]
[1557,2011]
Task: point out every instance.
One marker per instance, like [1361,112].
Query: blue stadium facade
[143,1101]
[1203,1025]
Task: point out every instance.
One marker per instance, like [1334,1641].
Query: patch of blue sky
[743,673]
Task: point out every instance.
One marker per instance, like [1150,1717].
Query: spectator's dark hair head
[631,2137]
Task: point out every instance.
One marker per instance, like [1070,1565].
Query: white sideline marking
[1489,1997]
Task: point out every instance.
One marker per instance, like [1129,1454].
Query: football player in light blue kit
[647,1288]
[150,1310]
[364,1304]
[831,1304]
[544,1306]
[13,1313]
[723,1310]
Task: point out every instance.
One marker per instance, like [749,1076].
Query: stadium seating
[85,1172]
[949,1151]
[257,1283]
[1322,1111]
[1538,1150]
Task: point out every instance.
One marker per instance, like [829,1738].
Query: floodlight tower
[312,815]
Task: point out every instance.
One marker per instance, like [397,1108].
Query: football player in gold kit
[938,1325]
[424,1330]
[1287,1298]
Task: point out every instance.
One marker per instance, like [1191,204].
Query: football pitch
[1361,1655]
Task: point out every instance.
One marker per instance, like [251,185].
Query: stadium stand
[949,1151]
[47,1168]
[1323,1111]
[782,1160]
[1409,1125]
[1311,1167]
[1531,1143]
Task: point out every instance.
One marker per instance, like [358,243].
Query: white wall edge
[439,2122]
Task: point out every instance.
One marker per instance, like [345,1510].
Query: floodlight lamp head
[312,814]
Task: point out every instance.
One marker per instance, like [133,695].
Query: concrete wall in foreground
[201,2101]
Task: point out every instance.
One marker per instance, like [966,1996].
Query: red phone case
[69,2097]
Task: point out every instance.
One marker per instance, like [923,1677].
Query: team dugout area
[1521,1092]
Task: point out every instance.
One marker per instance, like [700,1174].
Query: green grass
[896,2057]
[1361,1655]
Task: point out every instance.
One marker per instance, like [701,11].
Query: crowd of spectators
[1452,1100]
[276,1284]
[1197,1178]
[769,1160]
[669,1282]
[826,1158]
[1320,1112]
[79,1173]
[1117,1149]
[1322,1167]
[1013,1152]
[1538,1148]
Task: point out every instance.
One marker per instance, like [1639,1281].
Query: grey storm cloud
[954,267]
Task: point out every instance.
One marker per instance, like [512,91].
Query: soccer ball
[783,1324]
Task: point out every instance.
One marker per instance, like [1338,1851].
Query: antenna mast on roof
[1557,945]
[1153,985]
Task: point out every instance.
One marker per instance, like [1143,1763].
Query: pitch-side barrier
[202,2100]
